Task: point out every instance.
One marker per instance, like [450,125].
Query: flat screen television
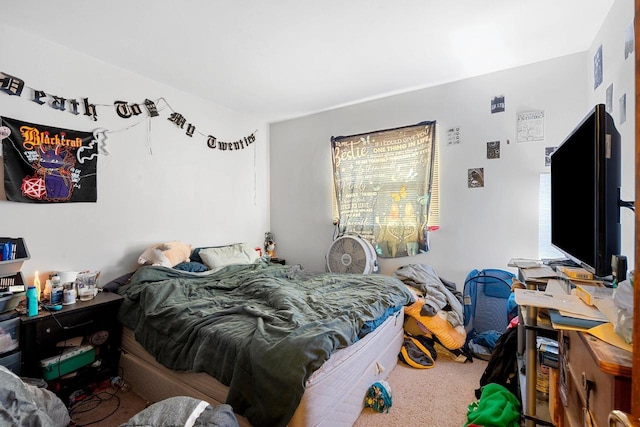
[585,193]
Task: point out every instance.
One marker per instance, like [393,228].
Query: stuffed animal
[269,245]
[167,254]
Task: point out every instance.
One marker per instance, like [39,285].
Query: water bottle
[32,301]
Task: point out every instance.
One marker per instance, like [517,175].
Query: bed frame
[333,396]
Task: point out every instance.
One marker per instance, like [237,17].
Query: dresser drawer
[589,386]
[64,326]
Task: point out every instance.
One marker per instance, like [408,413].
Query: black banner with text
[45,164]
[382,184]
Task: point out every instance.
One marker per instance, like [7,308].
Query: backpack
[503,365]
[485,295]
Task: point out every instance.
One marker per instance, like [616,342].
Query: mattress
[334,393]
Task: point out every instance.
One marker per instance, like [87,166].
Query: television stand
[590,373]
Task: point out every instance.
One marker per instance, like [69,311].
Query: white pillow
[240,253]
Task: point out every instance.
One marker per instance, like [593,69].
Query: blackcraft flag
[44,164]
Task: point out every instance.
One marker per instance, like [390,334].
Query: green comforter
[260,329]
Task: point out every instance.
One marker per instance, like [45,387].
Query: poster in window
[382,181]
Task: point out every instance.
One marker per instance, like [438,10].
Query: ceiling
[281,59]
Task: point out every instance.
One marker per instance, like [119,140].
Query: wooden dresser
[594,378]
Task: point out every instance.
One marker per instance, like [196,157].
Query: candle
[36,283]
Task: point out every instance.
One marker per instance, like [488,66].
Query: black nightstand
[95,321]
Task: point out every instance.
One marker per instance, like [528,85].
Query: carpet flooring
[427,397]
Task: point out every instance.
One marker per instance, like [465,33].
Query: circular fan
[351,254]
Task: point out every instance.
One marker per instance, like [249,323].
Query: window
[386,187]
[545,250]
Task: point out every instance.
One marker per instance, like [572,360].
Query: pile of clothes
[436,316]
[497,407]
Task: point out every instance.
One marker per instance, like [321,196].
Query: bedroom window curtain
[386,187]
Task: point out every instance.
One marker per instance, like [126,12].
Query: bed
[281,345]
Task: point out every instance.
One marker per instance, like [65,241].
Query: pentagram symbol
[33,187]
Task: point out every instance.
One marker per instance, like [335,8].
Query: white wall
[480,227]
[181,190]
[620,73]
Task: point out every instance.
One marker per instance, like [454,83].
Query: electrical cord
[117,383]
[51,312]
[91,403]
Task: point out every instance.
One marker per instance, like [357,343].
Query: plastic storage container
[12,361]
[10,300]
[9,283]
[69,361]
[13,266]
[9,335]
